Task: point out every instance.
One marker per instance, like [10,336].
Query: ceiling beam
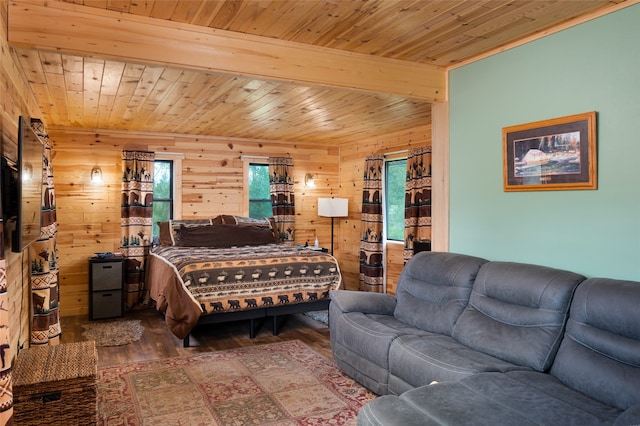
[75,29]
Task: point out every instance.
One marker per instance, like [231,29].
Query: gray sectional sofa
[468,341]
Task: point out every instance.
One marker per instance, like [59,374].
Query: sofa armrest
[630,416]
[360,301]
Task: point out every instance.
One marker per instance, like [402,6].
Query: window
[259,194]
[162,192]
[394,189]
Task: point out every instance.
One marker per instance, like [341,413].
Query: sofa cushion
[516,398]
[389,410]
[517,312]
[600,353]
[434,288]
[419,360]
[630,416]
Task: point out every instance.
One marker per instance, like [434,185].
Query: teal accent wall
[594,66]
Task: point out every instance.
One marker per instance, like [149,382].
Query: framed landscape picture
[555,154]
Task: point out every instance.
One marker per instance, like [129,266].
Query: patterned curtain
[282,197]
[371,267]
[136,214]
[417,204]
[43,258]
[6,384]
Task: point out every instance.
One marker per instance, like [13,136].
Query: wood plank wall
[15,99]
[212,183]
[212,173]
[352,157]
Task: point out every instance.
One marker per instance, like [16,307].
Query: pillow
[243,220]
[174,226]
[267,222]
[165,233]
[224,235]
[274,228]
[197,236]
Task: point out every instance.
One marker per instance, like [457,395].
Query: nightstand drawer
[106,276]
[106,304]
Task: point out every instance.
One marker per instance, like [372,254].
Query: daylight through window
[395,177]
[259,195]
[162,193]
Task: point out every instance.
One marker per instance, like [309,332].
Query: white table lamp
[333,207]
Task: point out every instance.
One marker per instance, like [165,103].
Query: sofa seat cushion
[519,397]
[517,312]
[420,360]
[400,328]
[360,343]
[369,336]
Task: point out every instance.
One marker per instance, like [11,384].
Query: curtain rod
[402,151]
[257,157]
[171,154]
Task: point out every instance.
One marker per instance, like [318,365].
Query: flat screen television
[9,182]
[29,186]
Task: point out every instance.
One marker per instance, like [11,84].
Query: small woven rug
[113,333]
[321,316]
[273,384]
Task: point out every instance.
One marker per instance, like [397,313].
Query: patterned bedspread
[251,277]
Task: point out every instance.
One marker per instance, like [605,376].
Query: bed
[216,273]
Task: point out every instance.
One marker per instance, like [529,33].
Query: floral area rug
[274,384]
[113,333]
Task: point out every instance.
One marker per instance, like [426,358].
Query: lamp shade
[333,207]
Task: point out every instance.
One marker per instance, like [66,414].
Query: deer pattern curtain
[371,267]
[282,197]
[136,214]
[417,205]
[6,384]
[43,258]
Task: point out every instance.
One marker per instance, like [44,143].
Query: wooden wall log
[96,32]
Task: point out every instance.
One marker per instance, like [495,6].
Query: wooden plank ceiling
[310,71]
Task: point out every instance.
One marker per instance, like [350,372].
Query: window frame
[385,216]
[176,159]
[171,189]
[246,200]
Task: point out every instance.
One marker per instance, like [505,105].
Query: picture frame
[550,155]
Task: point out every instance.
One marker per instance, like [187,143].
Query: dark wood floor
[158,342]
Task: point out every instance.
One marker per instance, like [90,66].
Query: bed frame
[257,317]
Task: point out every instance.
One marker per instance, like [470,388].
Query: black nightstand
[106,293]
[421,245]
